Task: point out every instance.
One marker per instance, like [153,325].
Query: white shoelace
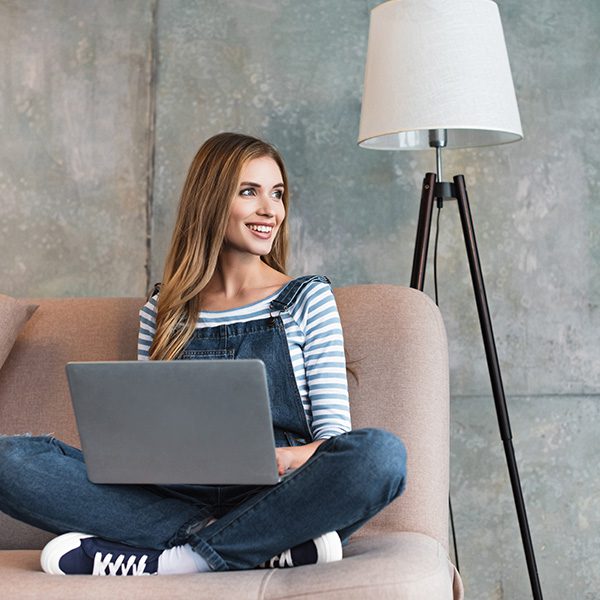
[285,558]
[102,563]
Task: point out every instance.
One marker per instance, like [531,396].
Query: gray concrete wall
[104,104]
[74,99]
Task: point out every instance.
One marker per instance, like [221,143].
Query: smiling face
[258,202]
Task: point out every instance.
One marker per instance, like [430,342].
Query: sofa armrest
[397,338]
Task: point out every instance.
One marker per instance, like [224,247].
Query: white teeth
[262,228]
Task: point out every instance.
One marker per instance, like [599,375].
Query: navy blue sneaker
[326,548]
[83,554]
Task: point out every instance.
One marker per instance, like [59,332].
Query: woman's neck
[234,280]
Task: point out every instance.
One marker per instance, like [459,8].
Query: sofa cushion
[34,391]
[393,565]
[13,316]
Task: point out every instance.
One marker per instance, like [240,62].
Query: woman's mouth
[265,235]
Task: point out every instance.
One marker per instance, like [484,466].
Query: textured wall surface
[556,445]
[74,98]
[104,104]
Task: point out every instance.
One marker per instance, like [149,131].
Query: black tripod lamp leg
[496,379]
[417,278]
[418,274]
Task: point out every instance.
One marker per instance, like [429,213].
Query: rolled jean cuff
[187,534]
[189,528]
[215,562]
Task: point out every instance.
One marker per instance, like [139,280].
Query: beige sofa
[398,338]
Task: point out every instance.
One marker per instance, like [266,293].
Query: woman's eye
[277,193]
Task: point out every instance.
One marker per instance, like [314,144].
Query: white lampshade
[437,64]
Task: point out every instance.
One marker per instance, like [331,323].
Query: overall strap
[289,293]
[155,290]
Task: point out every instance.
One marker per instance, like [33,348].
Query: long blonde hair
[202,218]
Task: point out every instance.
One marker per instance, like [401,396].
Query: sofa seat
[410,566]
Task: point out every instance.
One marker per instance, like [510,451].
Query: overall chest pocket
[206,354]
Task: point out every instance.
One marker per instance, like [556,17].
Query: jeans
[348,480]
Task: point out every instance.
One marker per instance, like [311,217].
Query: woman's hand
[292,457]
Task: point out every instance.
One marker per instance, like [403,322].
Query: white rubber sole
[329,547]
[55,549]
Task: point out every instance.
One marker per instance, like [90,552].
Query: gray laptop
[174,422]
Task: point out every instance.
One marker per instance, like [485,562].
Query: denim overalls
[346,481]
[264,339]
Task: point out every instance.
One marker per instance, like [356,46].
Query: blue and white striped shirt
[315,340]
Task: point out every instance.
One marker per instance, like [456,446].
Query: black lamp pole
[436,190]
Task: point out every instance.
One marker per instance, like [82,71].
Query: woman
[224,294]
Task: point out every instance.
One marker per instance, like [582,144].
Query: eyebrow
[258,184]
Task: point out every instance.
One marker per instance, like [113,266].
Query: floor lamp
[437,75]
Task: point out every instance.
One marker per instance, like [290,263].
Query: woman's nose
[265,204]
